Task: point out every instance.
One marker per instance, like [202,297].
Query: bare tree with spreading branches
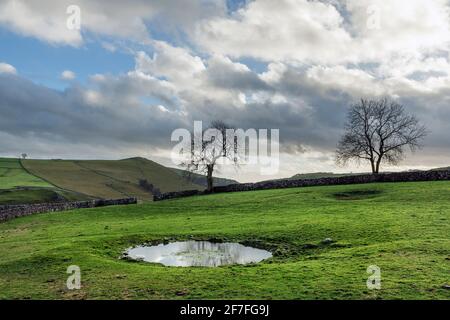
[377,131]
[213,148]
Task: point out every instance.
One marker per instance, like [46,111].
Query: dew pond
[198,253]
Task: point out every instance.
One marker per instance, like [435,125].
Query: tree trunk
[377,168]
[209,178]
[372,163]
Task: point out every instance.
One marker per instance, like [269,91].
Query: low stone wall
[355,179]
[177,194]
[8,212]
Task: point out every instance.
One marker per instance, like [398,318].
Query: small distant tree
[144,184]
[205,159]
[24,156]
[377,131]
[147,186]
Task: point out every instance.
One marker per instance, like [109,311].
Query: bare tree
[215,145]
[377,131]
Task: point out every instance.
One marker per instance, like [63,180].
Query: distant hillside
[13,175]
[313,175]
[201,179]
[108,178]
[18,186]
[441,169]
[318,175]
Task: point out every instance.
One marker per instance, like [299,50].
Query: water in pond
[198,253]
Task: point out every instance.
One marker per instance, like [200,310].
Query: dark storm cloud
[27,109]
[110,114]
[223,73]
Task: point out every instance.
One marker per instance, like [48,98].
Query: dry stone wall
[354,179]
[13,211]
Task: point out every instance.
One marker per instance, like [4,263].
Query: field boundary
[8,212]
[437,175]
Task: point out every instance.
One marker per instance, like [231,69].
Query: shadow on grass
[357,194]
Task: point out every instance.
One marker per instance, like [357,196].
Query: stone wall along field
[13,211]
[354,179]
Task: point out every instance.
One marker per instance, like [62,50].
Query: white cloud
[47,19]
[7,68]
[287,30]
[355,82]
[328,32]
[68,75]
[176,64]
[405,27]
[44,20]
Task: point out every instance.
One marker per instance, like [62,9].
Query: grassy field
[38,195]
[108,179]
[13,175]
[18,186]
[403,228]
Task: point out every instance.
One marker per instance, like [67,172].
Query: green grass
[37,195]
[107,178]
[19,186]
[403,228]
[13,175]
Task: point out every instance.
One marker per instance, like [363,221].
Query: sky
[136,70]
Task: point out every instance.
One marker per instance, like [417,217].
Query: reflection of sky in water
[199,253]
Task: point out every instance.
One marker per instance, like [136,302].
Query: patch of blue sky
[255,65]
[234,5]
[43,63]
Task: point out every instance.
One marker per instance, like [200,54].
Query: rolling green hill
[108,178]
[13,175]
[18,186]
[402,228]
[30,181]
